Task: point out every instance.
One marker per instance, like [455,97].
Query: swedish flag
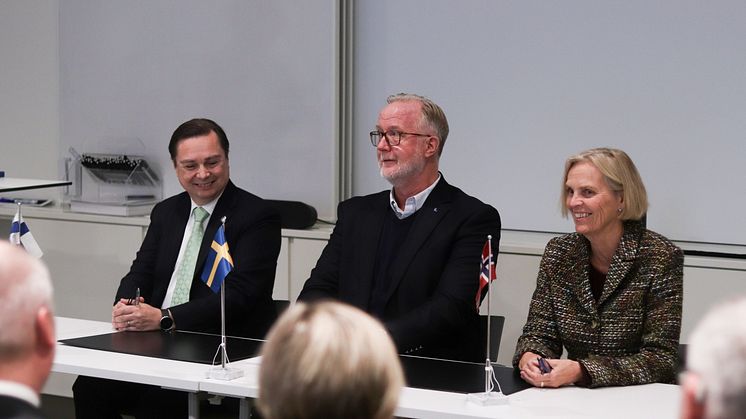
[218,263]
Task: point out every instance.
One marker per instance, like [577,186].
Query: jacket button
[594,324]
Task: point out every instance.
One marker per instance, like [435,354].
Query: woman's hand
[564,371]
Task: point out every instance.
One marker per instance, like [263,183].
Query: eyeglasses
[393,137]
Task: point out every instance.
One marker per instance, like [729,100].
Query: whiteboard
[525,84]
[132,71]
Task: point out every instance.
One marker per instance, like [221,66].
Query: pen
[137,297]
[544,365]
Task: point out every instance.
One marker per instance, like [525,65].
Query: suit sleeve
[324,279]
[254,244]
[658,355]
[142,272]
[540,333]
[451,307]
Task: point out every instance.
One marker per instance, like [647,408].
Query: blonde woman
[610,293]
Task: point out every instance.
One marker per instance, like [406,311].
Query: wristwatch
[167,322]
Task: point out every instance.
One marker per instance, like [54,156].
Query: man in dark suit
[170,261]
[411,256]
[27,341]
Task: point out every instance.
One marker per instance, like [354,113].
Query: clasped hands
[135,317]
[564,371]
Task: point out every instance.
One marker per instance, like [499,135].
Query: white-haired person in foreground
[328,360]
[27,339]
[714,384]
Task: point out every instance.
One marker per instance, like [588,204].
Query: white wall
[526,83]
[29,115]
[264,70]
[29,91]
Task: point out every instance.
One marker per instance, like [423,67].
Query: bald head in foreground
[27,339]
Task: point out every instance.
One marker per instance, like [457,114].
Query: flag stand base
[492,398]
[225,374]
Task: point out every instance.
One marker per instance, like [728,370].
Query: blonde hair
[328,360]
[25,287]
[619,173]
[432,117]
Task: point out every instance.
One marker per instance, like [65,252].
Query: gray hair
[717,354]
[433,116]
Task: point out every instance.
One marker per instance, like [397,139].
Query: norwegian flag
[487,271]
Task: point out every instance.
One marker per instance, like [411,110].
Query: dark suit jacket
[252,231]
[430,302]
[631,335]
[12,408]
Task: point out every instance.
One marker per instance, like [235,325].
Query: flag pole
[223,372]
[16,239]
[487,363]
[224,354]
[20,222]
[489,397]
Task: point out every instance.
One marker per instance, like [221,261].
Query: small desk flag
[487,271]
[20,235]
[218,263]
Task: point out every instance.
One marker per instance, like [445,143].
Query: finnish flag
[21,236]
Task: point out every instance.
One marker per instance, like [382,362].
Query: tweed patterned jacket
[631,335]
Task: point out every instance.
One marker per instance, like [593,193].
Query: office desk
[646,401]
[8,184]
[659,401]
[177,375]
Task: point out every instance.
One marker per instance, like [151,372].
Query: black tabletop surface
[456,376]
[180,346]
[427,373]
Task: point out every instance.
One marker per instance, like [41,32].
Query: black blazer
[13,408]
[430,308]
[252,231]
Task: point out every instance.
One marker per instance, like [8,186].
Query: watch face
[166,323]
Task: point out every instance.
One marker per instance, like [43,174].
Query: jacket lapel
[176,228]
[622,261]
[370,224]
[580,270]
[222,208]
[428,217]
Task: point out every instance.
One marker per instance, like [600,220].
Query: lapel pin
[435,209]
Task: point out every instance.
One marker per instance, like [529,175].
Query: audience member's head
[328,360]
[715,382]
[27,339]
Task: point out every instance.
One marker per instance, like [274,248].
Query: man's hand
[131,317]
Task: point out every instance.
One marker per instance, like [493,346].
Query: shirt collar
[19,391]
[209,207]
[413,203]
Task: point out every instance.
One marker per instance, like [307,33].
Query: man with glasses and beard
[410,255]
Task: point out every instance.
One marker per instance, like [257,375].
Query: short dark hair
[195,128]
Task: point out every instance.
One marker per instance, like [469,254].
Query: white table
[9,184]
[645,401]
[660,401]
[177,375]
